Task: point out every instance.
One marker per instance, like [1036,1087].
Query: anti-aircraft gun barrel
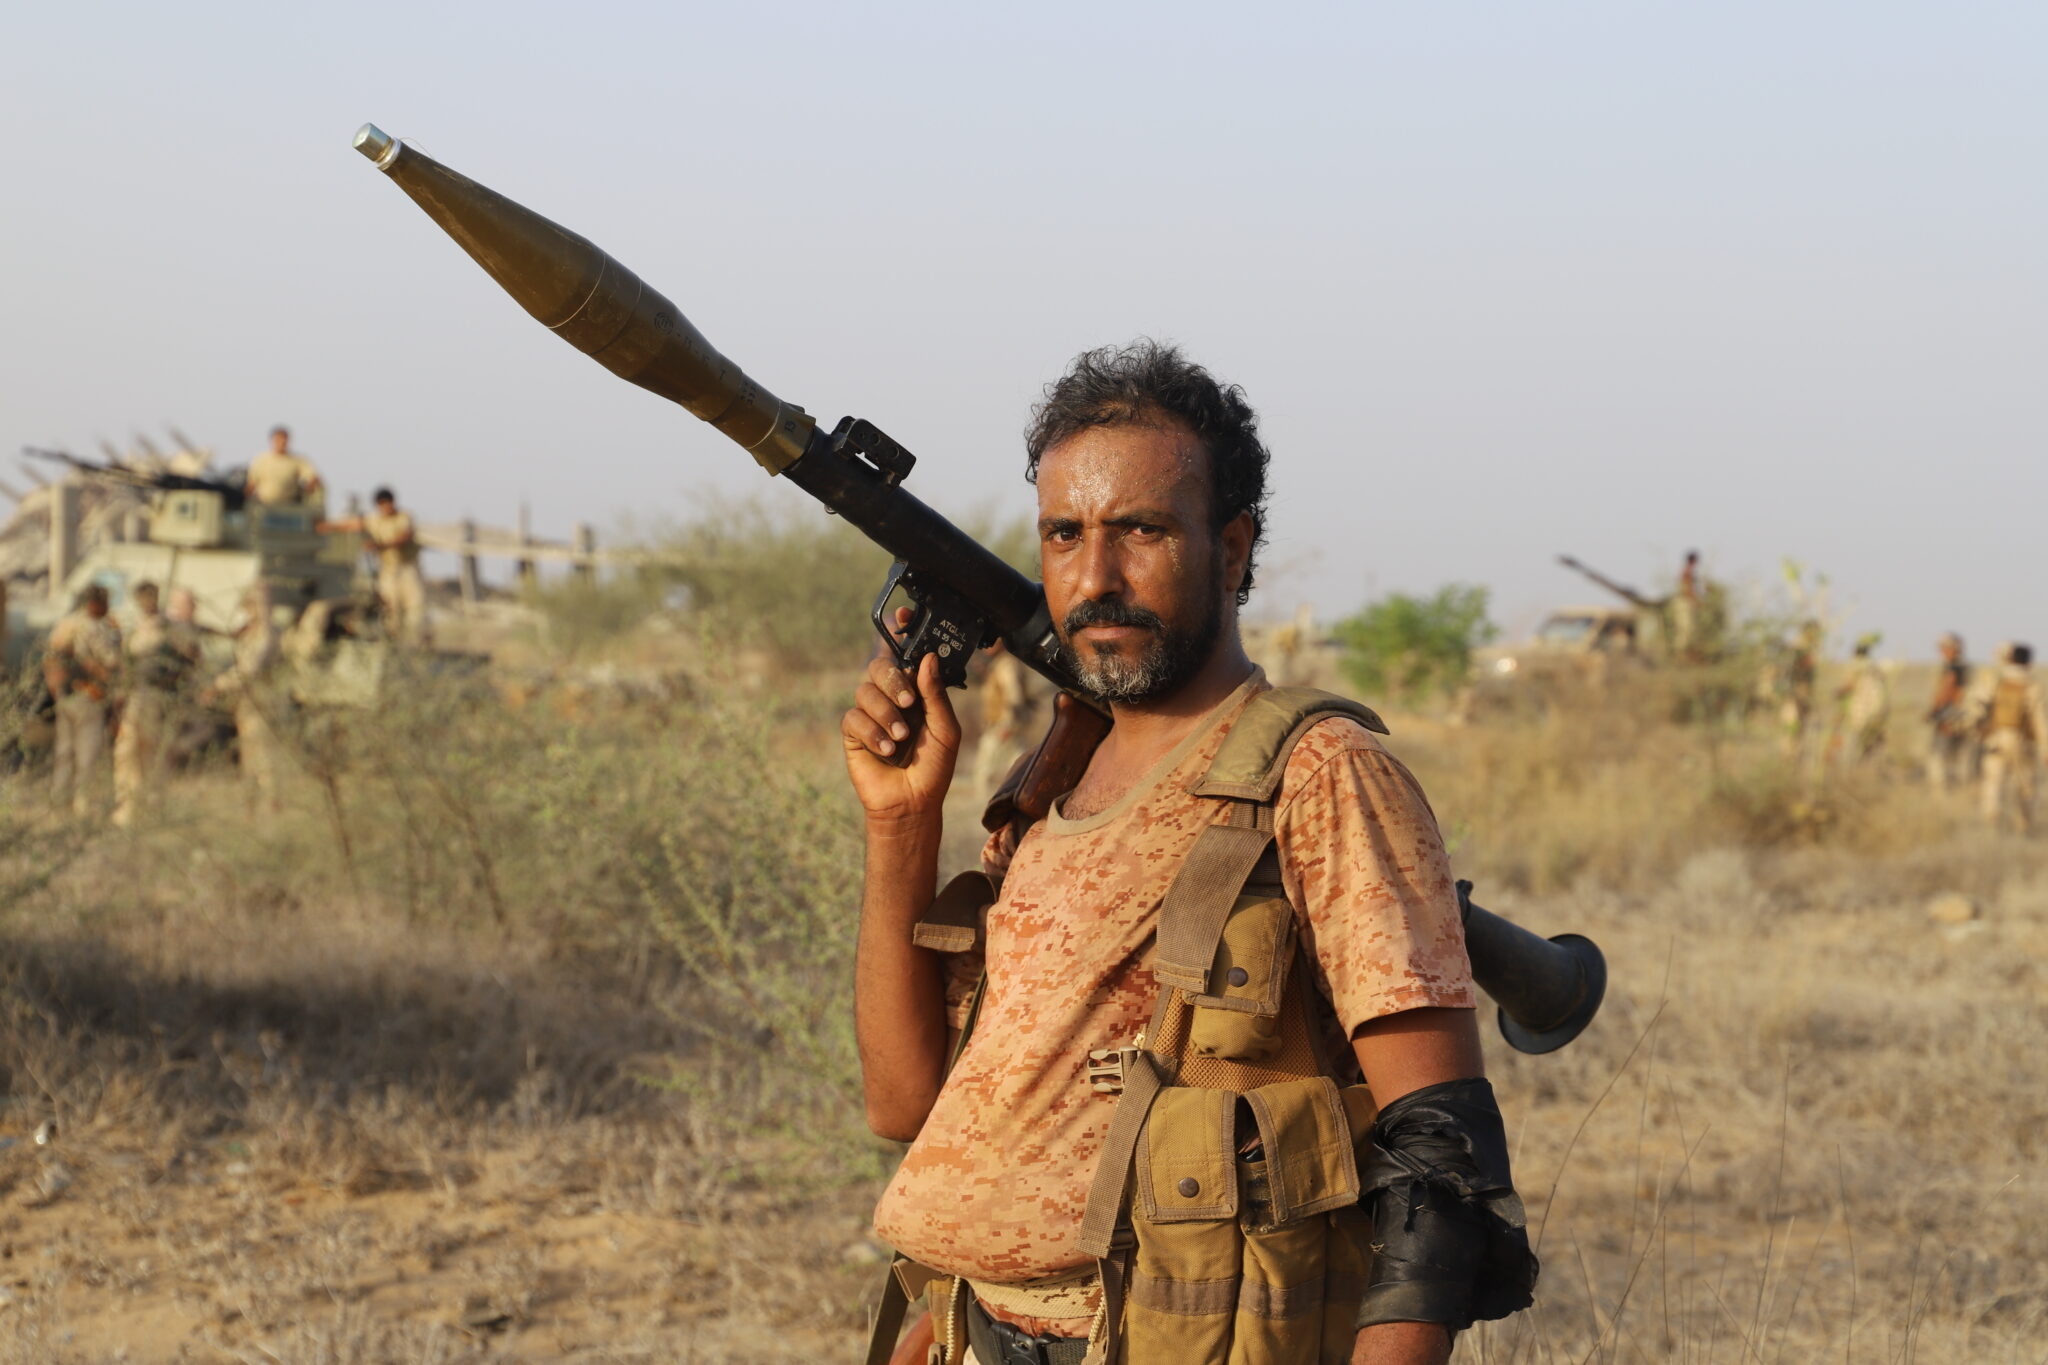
[162,481]
[1621,590]
[607,312]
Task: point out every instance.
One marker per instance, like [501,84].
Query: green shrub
[1406,647]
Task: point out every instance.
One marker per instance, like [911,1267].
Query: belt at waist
[998,1343]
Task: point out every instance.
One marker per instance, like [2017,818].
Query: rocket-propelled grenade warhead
[594,303]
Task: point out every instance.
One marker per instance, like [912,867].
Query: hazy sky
[1504,280]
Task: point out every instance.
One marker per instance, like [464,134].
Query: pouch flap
[952,923]
[1360,1109]
[1187,1168]
[1250,972]
[1199,903]
[1309,1156]
[914,1278]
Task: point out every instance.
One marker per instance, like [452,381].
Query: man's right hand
[874,730]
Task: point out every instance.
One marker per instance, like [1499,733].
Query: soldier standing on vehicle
[391,536]
[2007,712]
[282,476]
[162,653]
[80,665]
[1685,609]
[1950,741]
[1151,494]
[246,685]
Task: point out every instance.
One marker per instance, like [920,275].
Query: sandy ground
[108,1256]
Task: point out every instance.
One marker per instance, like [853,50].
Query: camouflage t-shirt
[994,1186]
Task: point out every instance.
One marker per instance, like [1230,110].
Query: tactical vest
[2010,709]
[1224,1212]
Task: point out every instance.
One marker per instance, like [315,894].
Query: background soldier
[281,475]
[1864,704]
[1685,610]
[390,534]
[1005,714]
[161,656]
[2008,714]
[1802,669]
[245,685]
[83,656]
[1947,715]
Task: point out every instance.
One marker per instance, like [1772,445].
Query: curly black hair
[1120,385]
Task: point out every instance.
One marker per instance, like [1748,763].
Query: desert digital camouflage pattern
[994,1186]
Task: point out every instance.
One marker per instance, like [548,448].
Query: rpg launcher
[962,596]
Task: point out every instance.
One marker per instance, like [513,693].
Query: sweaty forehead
[1104,470]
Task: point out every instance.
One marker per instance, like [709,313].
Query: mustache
[1110,612]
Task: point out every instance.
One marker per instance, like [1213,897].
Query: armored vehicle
[201,535]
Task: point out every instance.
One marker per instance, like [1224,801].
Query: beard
[1150,672]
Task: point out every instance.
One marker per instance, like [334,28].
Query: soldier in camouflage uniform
[162,654]
[1951,746]
[2007,712]
[1863,705]
[80,665]
[1150,480]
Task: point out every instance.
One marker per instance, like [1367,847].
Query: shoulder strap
[1247,771]
[1254,754]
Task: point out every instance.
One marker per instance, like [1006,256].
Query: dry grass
[522,1035]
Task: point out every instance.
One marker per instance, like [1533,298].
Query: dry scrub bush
[772,575]
[1619,796]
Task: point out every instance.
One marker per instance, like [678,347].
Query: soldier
[80,665]
[390,535]
[1796,682]
[1949,743]
[281,475]
[162,652]
[245,685]
[2007,712]
[1151,491]
[1863,704]
[1685,610]
[1005,713]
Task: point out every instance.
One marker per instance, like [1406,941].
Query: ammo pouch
[1225,1208]
[1246,1254]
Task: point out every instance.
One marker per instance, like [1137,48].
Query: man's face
[146,602]
[1135,576]
[95,607]
[386,506]
[183,606]
[280,439]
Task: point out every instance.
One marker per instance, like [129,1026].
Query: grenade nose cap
[376,144]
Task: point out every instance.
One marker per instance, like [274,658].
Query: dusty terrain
[521,1035]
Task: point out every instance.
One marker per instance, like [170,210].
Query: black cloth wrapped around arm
[1450,1240]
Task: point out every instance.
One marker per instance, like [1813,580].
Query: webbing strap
[1106,1346]
[1192,915]
[1113,1168]
[888,1323]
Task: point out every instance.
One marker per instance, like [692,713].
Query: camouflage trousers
[81,739]
[404,597]
[139,751]
[257,742]
[1951,759]
[2011,767]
